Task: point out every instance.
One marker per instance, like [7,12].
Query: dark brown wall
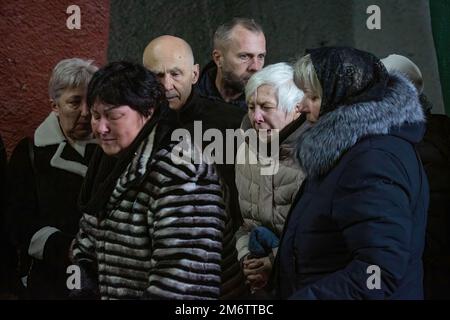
[34,37]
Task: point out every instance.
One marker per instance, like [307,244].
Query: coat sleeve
[83,255]
[22,204]
[242,237]
[187,220]
[25,223]
[7,266]
[372,206]
[243,233]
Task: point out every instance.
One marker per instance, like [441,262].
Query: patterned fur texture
[320,148]
[161,237]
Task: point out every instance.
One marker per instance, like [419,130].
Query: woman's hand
[257,272]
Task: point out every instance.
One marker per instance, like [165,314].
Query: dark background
[34,37]
[290,26]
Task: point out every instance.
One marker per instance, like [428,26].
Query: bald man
[172,60]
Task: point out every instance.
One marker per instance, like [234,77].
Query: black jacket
[206,87]
[214,114]
[434,151]
[8,276]
[42,213]
[362,211]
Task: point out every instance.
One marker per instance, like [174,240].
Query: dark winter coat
[42,213]
[159,234]
[364,204]
[214,114]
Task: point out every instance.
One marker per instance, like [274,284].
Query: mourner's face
[243,56]
[116,127]
[176,72]
[310,105]
[264,113]
[73,114]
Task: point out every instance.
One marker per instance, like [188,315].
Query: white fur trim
[49,132]
[37,243]
[24,281]
[242,246]
[68,165]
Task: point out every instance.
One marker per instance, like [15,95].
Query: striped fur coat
[160,238]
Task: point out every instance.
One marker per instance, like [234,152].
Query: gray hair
[70,73]
[281,77]
[223,32]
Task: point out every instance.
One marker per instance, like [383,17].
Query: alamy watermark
[73,281]
[253,147]
[373,22]
[74,20]
[374,280]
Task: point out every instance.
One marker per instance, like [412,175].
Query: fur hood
[320,148]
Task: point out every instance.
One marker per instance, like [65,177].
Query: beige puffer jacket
[265,200]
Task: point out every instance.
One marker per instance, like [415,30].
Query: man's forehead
[166,61]
[246,40]
[167,66]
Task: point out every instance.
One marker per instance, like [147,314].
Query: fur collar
[138,166]
[320,148]
[50,133]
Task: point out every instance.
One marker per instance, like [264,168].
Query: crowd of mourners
[358,180]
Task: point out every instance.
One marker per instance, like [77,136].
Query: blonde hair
[305,76]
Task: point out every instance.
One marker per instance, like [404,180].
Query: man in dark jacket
[239,51]
[45,174]
[357,230]
[172,60]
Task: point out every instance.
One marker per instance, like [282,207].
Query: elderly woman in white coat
[267,185]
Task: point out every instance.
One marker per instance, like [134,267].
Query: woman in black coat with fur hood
[357,230]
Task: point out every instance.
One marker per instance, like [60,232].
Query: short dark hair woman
[150,227]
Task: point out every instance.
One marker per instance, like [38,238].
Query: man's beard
[233,83]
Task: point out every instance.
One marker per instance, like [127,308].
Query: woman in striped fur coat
[150,228]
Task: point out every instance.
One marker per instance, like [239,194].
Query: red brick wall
[34,37]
